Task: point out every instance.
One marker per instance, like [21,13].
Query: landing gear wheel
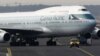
[16,41]
[22,44]
[89,41]
[17,44]
[12,44]
[51,43]
[35,43]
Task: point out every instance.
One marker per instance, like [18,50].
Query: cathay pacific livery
[21,28]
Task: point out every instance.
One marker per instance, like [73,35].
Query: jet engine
[96,33]
[4,36]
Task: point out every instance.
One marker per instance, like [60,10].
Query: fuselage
[55,21]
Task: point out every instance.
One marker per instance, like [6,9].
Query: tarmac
[62,49]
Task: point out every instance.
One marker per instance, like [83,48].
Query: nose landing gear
[51,42]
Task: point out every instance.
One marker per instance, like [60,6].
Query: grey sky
[49,2]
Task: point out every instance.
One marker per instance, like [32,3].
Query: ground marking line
[86,52]
[9,52]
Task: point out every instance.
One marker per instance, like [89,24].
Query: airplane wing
[25,29]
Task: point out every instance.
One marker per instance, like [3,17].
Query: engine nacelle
[96,32]
[4,36]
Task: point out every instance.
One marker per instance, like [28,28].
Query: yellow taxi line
[9,52]
[86,52]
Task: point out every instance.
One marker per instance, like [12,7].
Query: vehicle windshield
[84,16]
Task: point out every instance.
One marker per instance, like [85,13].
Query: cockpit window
[72,17]
[84,16]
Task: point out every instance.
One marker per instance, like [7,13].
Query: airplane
[21,28]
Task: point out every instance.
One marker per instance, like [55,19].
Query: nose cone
[91,24]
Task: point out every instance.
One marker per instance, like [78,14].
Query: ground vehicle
[74,42]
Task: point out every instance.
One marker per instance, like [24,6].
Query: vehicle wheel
[77,45]
[71,46]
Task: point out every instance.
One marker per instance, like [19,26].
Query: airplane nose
[92,23]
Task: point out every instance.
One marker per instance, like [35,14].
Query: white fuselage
[54,21]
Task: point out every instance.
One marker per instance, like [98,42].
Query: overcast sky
[49,2]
